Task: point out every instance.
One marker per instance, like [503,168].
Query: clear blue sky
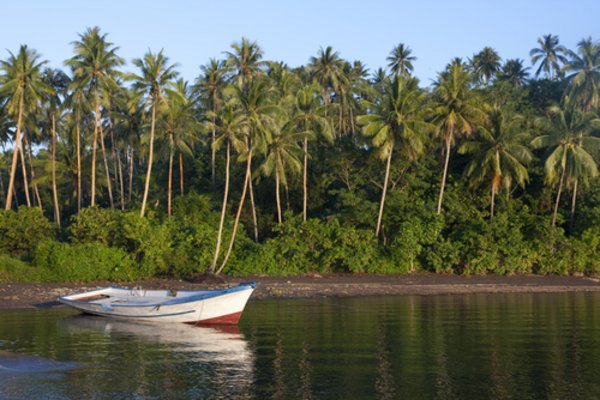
[291,31]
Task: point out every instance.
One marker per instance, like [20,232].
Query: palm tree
[567,141]
[156,75]
[231,127]
[584,74]
[22,85]
[210,86]
[310,117]
[396,121]
[282,155]
[400,60]
[499,157]
[245,60]
[486,64]
[514,73]
[59,82]
[93,68]
[327,69]
[456,111]
[179,128]
[550,54]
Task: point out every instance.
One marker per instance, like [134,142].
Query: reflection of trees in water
[278,374]
[385,387]
[305,390]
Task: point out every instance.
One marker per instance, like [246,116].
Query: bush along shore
[121,173]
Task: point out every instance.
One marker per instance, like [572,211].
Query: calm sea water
[500,346]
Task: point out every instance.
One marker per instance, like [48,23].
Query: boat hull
[216,307]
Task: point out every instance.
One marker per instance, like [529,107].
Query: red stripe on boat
[230,319]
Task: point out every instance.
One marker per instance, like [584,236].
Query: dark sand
[21,295]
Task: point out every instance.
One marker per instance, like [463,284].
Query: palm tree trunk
[24,171]
[444,174]
[223,211]
[213,153]
[54,191]
[573,203]
[116,163]
[130,173]
[239,212]
[78,144]
[277,197]
[385,185]
[36,192]
[181,173]
[560,185]
[13,166]
[304,177]
[108,184]
[150,156]
[492,205]
[94,144]
[253,206]
[170,184]
[121,186]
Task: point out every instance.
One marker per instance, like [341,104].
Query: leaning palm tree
[583,69]
[94,68]
[396,121]
[486,64]
[456,111]
[499,156]
[400,60]
[156,75]
[567,142]
[309,116]
[22,85]
[550,55]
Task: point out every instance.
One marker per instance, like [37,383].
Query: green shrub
[15,270]
[101,225]
[22,230]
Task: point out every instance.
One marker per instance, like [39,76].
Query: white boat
[203,307]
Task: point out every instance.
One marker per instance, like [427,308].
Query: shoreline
[43,295]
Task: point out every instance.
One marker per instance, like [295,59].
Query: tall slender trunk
[239,212]
[13,165]
[560,186]
[150,156]
[253,207]
[213,151]
[94,144]
[213,264]
[181,189]
[108,184]
[444,174]
[54,191]
[121,185]
[24,171]
[78,144]
[385,185]
[492,205]
[573,203]
[130,173]
[170,184]
[36,192]
[116,163]
[277,197]
[304,173]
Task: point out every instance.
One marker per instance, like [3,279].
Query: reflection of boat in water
[221,344]
[205,307]
[15,362]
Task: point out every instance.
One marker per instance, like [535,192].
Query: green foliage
[16,270]
[20,231]
[95,224]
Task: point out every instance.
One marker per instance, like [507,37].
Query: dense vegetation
[279,170]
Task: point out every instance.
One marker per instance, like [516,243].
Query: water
[501,346]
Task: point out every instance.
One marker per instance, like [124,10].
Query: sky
[192,32]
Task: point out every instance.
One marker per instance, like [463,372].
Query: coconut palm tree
[456,111]
[94,68]
[210,86]
[499,157]
[22,85]
[396,121]
[514,73]
[231,127]
[486,64]
[59,82]
[328,69]
[156,75]
[583,74]
[400,60]
[309,116]
[567,143]
[245,60]
[550,55]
